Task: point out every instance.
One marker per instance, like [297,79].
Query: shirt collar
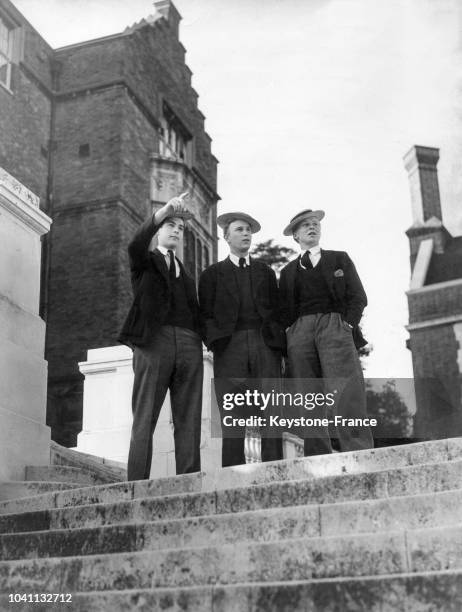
[316,250]
[235,259]
[164,250]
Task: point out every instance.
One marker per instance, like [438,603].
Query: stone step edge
[196,494]
[222,516]
[284,583]
[400,535]
[330,583]
[14,490]
[42,482]
[62,456]
[70,470]
[95,599]
[54,495]
[401,449]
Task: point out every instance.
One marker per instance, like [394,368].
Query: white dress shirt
[164,252]
[235,260]
[314,255]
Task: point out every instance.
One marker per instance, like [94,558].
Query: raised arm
[138,249]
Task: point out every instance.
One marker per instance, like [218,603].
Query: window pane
[198,258]
[205,258]
[189,257]
[4,71]
[5,37]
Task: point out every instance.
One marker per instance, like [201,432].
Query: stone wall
[24,437]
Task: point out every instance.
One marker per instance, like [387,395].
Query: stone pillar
[107,415]
[24,436]
[107,392]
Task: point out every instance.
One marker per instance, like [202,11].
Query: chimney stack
[421,162]
[168,11]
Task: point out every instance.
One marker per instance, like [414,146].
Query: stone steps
[311,468]
[429,591]
[107,470]
[22,489]
[64,473]
[412,480]
[374,516]
[436,591]
[372,530]
[355,555]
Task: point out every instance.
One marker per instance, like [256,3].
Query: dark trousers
[173,360]
[321,346]
[245,356]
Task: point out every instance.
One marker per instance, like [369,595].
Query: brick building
[435,304]
[103,131]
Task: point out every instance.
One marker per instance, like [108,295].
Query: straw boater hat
[226,218]
[302,216]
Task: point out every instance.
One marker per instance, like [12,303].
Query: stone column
[24,436]
[107,415]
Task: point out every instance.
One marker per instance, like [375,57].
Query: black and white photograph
[231,305]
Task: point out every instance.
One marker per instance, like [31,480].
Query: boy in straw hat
[239,304]
[322,302]
[163,327]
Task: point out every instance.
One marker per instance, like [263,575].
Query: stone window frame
[175,140]
[11,49]
[196,252]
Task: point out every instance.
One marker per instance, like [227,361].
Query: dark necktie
[172,267]
[306,261]
[242,262]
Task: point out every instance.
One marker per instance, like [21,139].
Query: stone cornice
[21,203]
[192,172]
[435,322]
[435,287]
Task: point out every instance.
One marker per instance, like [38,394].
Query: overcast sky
[312,104]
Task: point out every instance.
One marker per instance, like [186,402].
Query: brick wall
[24,129]
[437,382]
[92,120]
[435,363]
[139,140]
[90,293]
[150,61]
[435,303]
[154,68]
[26,110]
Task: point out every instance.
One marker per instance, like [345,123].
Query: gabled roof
[448,265]
[150,20]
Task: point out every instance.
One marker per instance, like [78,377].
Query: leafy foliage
[391,412]
[273,254]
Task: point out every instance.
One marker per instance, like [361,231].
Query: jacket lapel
[327,263]
[228,278]
[256,277]
[159,262]
[190,286]
[291,272]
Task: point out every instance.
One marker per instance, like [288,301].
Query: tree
[364,352]
[273,254]
[393,419]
